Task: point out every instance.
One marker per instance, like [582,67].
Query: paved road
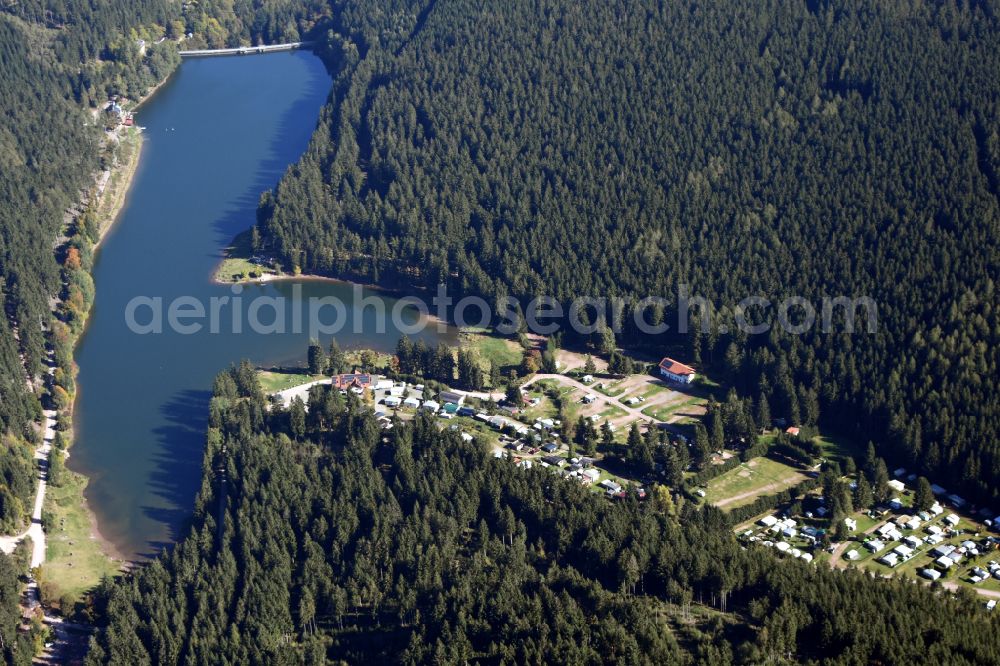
[245,49]
[301,391]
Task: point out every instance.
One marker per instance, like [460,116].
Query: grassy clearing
[838,448]
[610,388]
[611,412]
[759,476]
[664,412]
[237,265]
[477,429]
[75,560]
[493,351]
[272,381]
[653,389]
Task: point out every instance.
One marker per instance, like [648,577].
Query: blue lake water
[218,133]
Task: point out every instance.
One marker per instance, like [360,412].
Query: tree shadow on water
[177,476]
[287,145]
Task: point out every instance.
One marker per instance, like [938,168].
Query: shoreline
[108,208]
[120,197]
[264,278]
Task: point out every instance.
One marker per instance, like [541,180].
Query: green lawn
[272,381]
[664,412]
[611,412]
[760,476]
[836,447]
[493,351]
[237,265]
[75,562]
[651,390]
[609,388]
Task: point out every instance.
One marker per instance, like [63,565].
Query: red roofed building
[675,371]
[344,382]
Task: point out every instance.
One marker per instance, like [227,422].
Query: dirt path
[780,484]
[953,587]
[9,543]
[602,400]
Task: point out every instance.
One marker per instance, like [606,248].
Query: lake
[218,133]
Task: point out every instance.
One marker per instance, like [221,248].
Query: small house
[897,485]
[874,545]
[952,519]
[852,555]
[431,405]
[451,396]
[945,563]
[768,521]
[889,559]
[930,574]
[611,486]
[411,403]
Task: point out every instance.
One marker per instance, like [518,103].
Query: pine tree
[864,498]
[923,499]
[336,361]
[317,360]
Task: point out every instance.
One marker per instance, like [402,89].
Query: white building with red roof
[676,371]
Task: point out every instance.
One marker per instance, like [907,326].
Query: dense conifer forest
[336,540]
[837,148]
[60,62]
[817,148]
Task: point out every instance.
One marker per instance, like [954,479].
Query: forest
[835,148]
[61,60]
[339,541]
[820,148]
